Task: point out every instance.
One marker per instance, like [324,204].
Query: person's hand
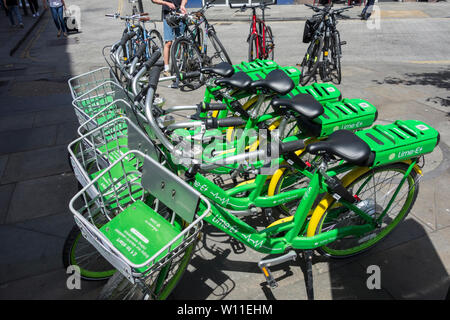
[183,10]
[170,5]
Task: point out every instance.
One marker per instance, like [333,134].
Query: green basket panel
[93,105]
[121,192]
[401,140]
[139,232]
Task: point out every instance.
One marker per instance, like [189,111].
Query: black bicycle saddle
[223,69]
[304,104]
[277,81]
[346,145]
[239,80]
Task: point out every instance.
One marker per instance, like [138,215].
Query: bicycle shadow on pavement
[405,265]
[409,268]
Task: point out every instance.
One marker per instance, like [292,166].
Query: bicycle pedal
[343,43]
[265,264]
[271,282]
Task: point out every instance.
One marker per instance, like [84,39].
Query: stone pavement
[403,68]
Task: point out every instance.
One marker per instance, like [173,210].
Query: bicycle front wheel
[335,72]
[311,60]
[253,49]
[78,251]
[156,287]
[156,40]
[186,58]
[376,188]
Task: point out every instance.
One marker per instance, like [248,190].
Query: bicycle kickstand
[308,255]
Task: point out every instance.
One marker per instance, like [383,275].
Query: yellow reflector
[265,271]
[325,53]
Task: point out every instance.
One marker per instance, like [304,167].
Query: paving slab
[41,197]
[16,122]
[6,192]
[67,132]
[54,116]
[27,139]
[3,162]
[19,104]
[432,207]
[26,253]
[37,163]
[46,285]
[58,225]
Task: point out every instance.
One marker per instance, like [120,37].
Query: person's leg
[368,9]
[54,13]
[33,11]
[10,16]
[61,19]
[169,36]
[16,12]
[24,8]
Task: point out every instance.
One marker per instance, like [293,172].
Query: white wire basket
[136,239]
[85,82]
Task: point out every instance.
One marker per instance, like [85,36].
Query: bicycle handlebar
[243,7]
[328,9]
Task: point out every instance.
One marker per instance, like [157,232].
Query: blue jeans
[58,18]
[14,11]
[367,11]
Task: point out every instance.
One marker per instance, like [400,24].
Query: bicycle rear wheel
[220,54]
[270,44]
[375,188]
[311,60]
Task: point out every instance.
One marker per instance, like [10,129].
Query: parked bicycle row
[306,160]
[190,42]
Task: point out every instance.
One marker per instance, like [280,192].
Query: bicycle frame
[296,228]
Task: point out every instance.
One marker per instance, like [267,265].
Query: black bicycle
[325,45]
[192,51]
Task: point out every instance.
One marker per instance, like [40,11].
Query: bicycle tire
[186,58]
[270,44]
[157,39]
[219,48]
[314,50]
[252,47]
[73,240]
[330,250]
[119,288]
[336,55]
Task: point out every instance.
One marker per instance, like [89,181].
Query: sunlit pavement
[399,63]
